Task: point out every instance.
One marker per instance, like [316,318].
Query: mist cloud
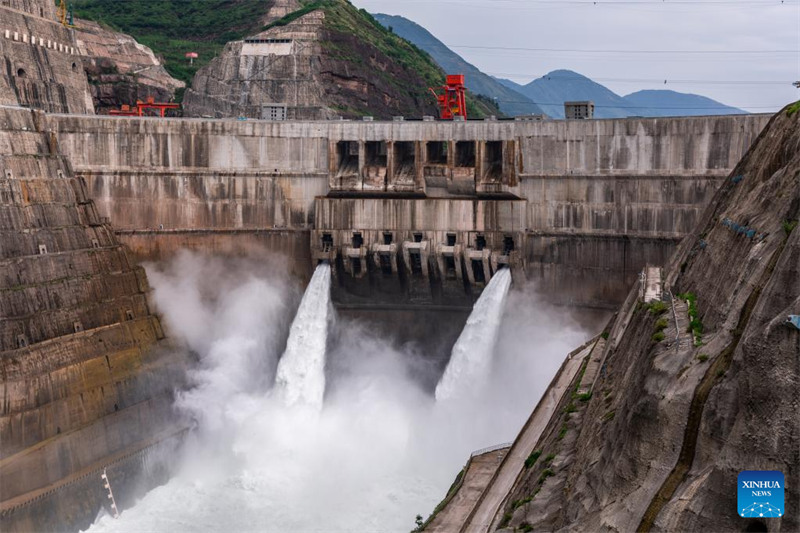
[381,449]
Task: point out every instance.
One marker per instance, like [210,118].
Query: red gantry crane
[145,109]
[453,102]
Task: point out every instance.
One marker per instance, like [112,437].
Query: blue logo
[761,493]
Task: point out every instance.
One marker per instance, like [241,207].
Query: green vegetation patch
[174,27]
[580,375]
[342,17]
[789,225]
[585,397]
[656,307]
[519,503]
[531,460]
[695,324]
[794,108]
[546,473]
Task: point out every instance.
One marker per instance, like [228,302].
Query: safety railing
[491,449]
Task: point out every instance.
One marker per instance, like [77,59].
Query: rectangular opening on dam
[347,152]
[508,244]
[375,154]
[358,240]
[493,160]
[416,261]
[386,264]
[465,154]
[327,242]
[404,158]
[480,242]
[436,152]
[477,271]
[450,267]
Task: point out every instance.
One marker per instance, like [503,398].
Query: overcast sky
[742,29]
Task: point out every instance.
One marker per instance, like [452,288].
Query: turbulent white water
[301,371]
[380,452]
[469,365]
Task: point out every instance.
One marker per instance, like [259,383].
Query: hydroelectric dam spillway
[413,213]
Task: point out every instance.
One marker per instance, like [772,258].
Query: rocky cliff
[324,59]
[695,389]
[120,70]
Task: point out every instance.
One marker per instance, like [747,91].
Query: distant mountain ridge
[548,93]
[664,103]
[553,89]
[510,101]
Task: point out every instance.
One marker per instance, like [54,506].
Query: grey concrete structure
[583,205]
[578,110]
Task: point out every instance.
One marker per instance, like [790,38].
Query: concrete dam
[420,212]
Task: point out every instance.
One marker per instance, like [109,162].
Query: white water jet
[379,453]
[472,353]
[301,371]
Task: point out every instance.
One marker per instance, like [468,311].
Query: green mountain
[510,101]
[171,28]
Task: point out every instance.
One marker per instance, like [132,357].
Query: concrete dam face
[413,213]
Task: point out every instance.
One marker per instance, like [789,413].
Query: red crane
[453,102]
[141,109]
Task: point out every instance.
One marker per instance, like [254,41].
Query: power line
[642,107]
[662,81]
[596,51]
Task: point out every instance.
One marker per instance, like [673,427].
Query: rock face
[41,66]
[673,418]
[120,70]
[327,63]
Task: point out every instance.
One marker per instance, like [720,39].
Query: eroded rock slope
[678,410]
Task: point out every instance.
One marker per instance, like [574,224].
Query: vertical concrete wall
[629,186]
